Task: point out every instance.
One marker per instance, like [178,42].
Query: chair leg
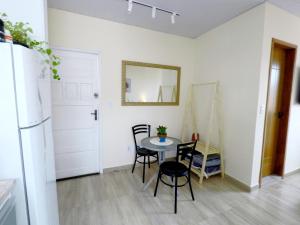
[134,163]
[148,161]
[157,158]
[190,184]
[172,180]
[156,186]
[175,208]
[144,169]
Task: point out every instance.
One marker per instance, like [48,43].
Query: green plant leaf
[54,71]
[21,32]
[48,51]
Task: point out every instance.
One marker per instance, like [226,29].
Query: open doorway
[278,107]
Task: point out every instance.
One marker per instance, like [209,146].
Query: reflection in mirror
[150,84]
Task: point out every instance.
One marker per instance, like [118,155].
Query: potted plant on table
[162,133]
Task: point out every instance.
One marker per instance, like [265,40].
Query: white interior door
[75,128]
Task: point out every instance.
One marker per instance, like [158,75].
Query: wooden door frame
[99,83]
[293,47]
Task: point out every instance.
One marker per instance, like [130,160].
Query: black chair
[143,152]
[175,169]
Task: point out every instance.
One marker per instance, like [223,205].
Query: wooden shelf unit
[200,147]
[205,147]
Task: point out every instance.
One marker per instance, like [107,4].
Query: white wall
[236,53]
[118,42]
[32,11]
[231,53]
[281,25]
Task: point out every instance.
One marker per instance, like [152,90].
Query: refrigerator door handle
[39,96]
[40,101]
[45,145]
[44,135]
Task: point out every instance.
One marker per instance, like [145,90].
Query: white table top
[145,143]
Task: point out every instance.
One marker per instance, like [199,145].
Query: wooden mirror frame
[142,64]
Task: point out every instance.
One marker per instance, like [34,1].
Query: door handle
[95,114]
[96,95]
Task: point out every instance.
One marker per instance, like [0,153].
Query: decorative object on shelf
[213,162]
[21,35]
[153,8]
[197,160]
[195,137]
[162,133]
[156,141]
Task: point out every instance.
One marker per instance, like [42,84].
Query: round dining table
[152,143]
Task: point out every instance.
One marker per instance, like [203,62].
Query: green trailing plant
[161,130]
[22,34]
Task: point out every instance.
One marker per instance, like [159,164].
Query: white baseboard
[240,184]
[291,173]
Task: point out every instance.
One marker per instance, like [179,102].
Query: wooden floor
[117,198]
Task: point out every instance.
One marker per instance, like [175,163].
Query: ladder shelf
[205,148]
[200,147]
[197,171]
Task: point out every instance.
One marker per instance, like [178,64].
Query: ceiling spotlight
[153,12]
[173,17]
[130,5]
[154,9]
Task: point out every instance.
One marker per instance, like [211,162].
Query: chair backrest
[186,150]
[140,129]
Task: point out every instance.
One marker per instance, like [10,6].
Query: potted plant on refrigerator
[21,34]
[162,133]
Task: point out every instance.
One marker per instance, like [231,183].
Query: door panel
[73,117]
[277,112]
[76,163]
[76,130]
[274,106]
[72,141]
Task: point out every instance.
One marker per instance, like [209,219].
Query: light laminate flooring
[117,198]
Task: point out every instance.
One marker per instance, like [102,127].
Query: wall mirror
[149,84]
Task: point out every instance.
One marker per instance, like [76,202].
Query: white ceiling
[293,6]
[196,16]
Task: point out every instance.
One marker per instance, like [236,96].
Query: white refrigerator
[26,145]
